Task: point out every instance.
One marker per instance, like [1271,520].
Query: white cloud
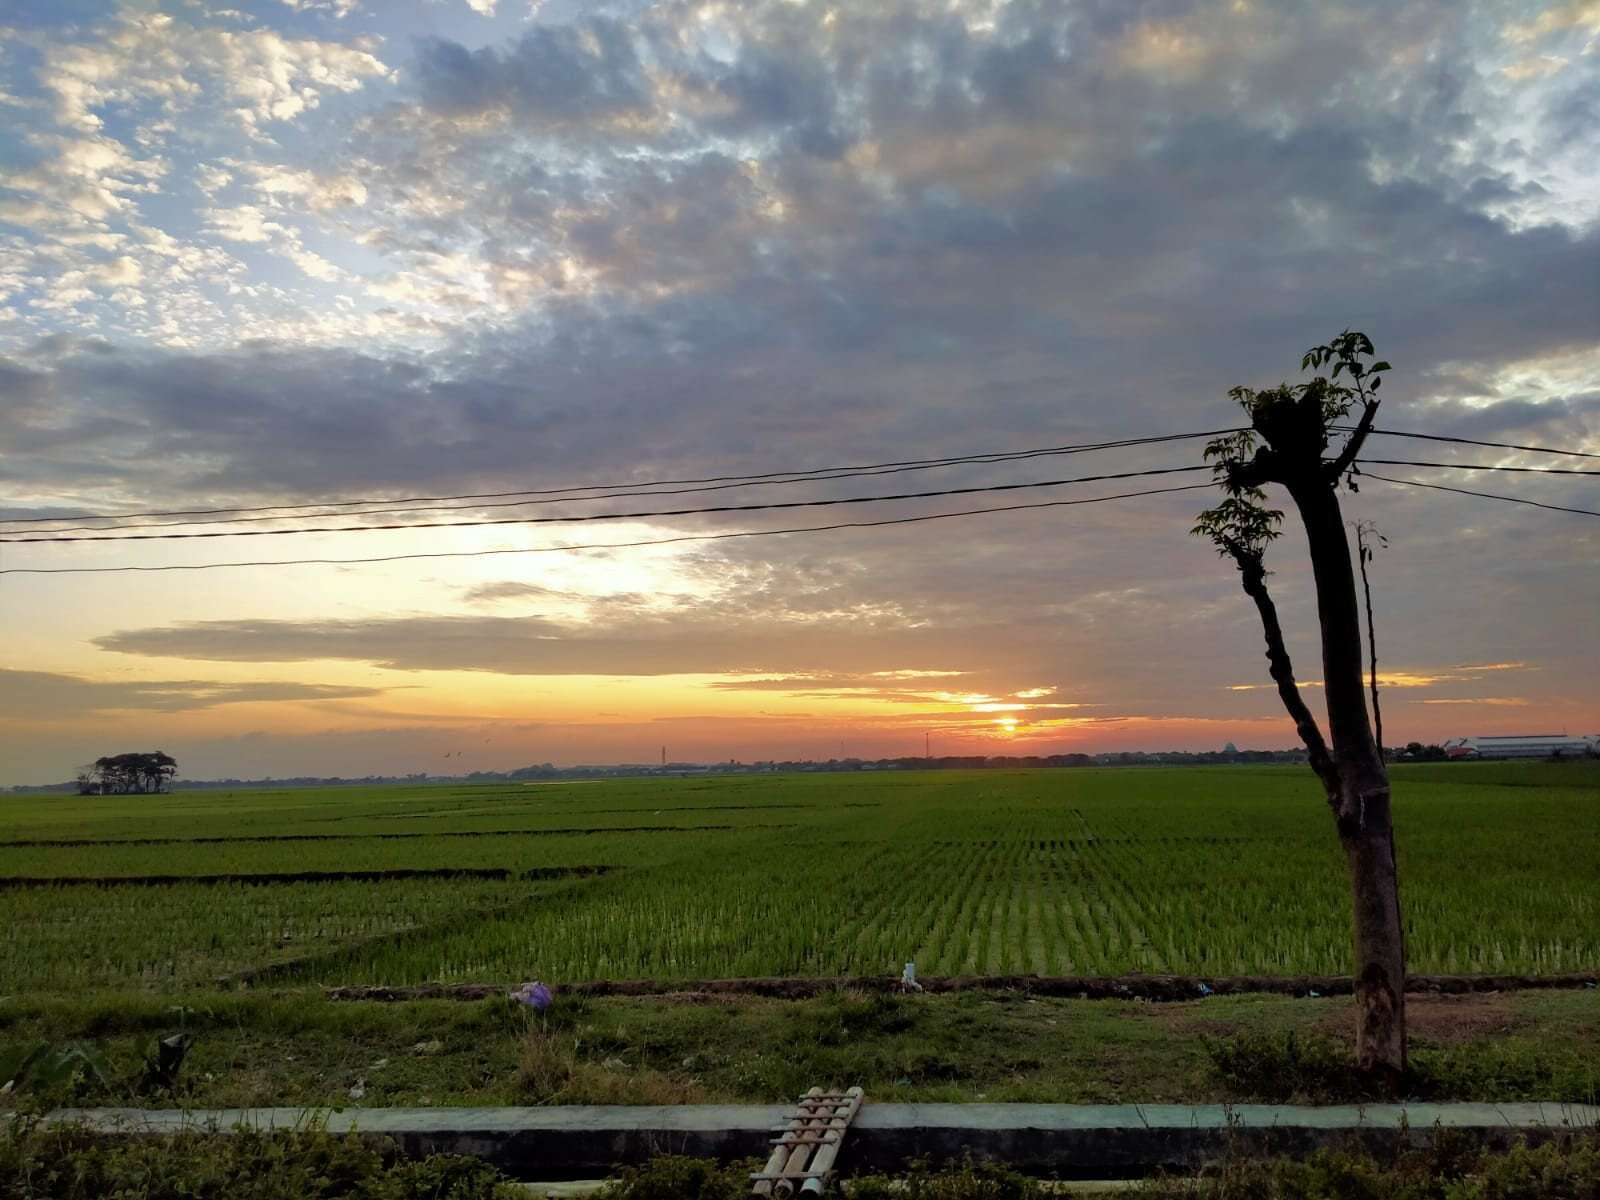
[243,223]
[211,179]
[314,265]
[319,192]
[339,8]
[83,178]
[263,75]
[122,270]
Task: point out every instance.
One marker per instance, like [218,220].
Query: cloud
[263,75]
[244,223]
[510,589]
[552,73]
[702,240]
[1488,701]
[536,646]
[43,696]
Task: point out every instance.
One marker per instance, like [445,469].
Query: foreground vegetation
[1565,1170]
[61,1164]
[64,1164]
[1197,871]
[283,1047]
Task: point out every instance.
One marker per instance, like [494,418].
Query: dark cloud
[510,589]
[552,73]
[531,646]
[44,696]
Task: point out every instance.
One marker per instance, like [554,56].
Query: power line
[114,533]
[561,493]
[667,541]
[1440,487]
[1439,437]
[678,512]
[1407,462]
[833,473]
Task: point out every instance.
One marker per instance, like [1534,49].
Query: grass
[1197,871]
[1192,871]
[64,1164]
[1567,1169]
[273,1048]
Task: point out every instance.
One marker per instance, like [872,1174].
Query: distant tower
[663,756]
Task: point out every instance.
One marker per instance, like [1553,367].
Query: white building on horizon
[1524,745]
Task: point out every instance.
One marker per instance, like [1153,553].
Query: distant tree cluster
[124,774]
[1417,752]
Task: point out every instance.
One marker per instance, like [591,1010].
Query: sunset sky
[299,251]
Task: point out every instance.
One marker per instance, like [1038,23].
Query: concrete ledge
[1066,1140]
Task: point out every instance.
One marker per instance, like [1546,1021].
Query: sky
[299,251]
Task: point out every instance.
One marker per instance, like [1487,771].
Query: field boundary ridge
[1097,987]
[267,878]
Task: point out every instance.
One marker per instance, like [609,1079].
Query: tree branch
[1364,554]
[1261,469]
[1347,456]
[1253,577]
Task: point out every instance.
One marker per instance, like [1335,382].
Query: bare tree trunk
[1361,805]
[1379,944]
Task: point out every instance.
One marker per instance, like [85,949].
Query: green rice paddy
[1203,871]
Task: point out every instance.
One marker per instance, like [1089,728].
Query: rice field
[1204,871]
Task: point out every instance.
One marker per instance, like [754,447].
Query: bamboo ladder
[803,1153]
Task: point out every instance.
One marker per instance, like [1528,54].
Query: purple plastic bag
[534,994]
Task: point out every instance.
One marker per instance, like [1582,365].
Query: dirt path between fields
[1113,987]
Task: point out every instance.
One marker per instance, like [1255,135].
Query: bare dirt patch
[1442,1020]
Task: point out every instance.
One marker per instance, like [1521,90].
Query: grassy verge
[293,1047]
[313,1165]
[307,1165]
[1569,1168]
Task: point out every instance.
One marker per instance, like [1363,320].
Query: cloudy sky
[297,251]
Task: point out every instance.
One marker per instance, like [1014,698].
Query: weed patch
[67,1164]
[1285,1066]
[1568,1169]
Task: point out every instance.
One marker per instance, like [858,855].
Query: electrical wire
[666,541]
[1441,487]
[838,473]
[627,516]
[608,489]
[1407,462]
[1440,437]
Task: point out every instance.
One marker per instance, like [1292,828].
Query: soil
[1442,1020]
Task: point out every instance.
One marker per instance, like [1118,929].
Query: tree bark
[1253,577]
[1361,801]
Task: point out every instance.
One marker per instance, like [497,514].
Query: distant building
[1527,745]
[1230,748]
